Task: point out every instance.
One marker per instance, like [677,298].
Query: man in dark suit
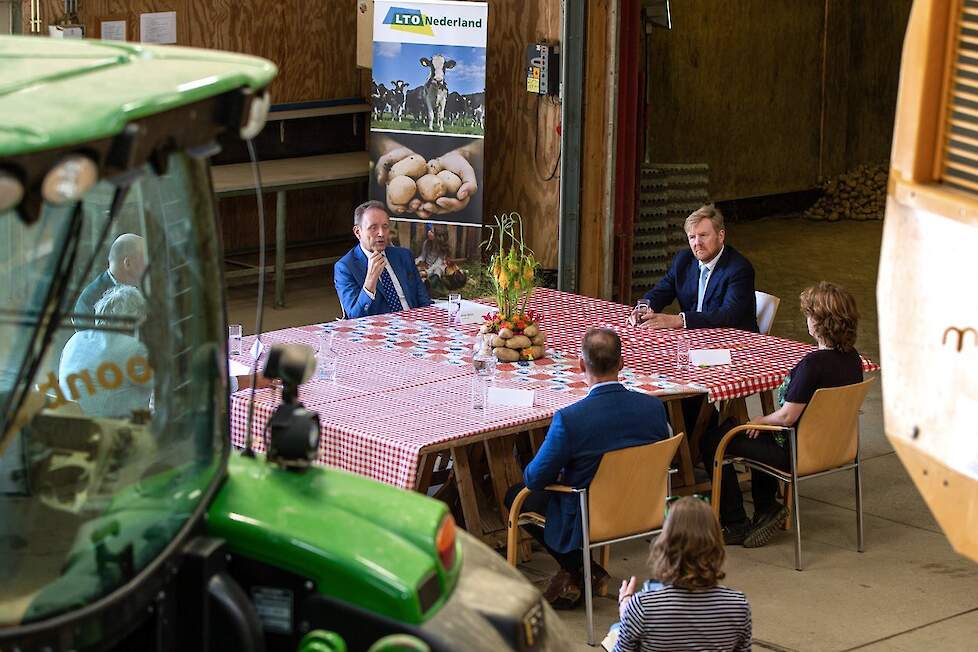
[713,282]
[374,277]
[610,417]
[127,262]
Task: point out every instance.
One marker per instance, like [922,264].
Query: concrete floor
[907,591]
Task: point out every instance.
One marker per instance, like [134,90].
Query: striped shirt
[673,619]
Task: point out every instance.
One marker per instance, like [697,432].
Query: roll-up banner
[427,132]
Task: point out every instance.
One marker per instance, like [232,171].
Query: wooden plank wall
[737,85]
[314,45]
[875,46]
[522,144]
[740,87]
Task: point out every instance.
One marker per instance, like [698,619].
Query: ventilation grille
[959,164]
[668,194]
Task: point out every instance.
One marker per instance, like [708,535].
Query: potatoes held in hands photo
[413,166]
[415,185]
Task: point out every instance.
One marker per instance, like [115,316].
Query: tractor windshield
[112,385]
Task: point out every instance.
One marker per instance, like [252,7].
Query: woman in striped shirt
[691,611]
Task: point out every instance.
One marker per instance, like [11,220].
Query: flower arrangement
[512,333]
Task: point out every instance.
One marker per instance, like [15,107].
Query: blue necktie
[704,274]
[388,291]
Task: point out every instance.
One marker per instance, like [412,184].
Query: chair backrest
[828,431]
[628,493]
[767,308]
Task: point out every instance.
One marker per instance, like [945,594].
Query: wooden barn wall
[737,85]
[875,45]
[521,140]
[775,96]
[314,45]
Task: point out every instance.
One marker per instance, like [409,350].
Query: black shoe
[765,525]
[734,534]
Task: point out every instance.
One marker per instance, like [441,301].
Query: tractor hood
[361,541]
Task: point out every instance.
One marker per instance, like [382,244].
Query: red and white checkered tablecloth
[404,380]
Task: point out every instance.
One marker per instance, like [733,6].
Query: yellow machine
[928,304]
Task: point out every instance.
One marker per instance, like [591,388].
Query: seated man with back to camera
[609,418]
[375,277]
[712,281]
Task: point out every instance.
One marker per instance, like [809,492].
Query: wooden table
[401,399]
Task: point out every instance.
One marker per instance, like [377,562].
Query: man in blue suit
[374,277]
[610,417]
[713,282]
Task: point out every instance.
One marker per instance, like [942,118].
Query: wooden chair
[767,308]
[825,440]
[626,500]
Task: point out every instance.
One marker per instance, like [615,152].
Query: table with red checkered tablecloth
[404,380]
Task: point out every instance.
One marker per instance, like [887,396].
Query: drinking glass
[479,388]
[682,353]
[325,357]
[455,308]
[234,339]
[642,307]
[483,359]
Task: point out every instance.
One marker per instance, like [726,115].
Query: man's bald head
[126,259]
[601,352]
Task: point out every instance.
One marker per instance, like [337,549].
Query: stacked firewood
[859,194]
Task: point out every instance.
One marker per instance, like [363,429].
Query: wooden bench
[282,175]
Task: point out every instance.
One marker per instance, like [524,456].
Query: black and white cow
[477,108]
[397,97]
[455,108]
[436,89]
[378,98]
[414,104]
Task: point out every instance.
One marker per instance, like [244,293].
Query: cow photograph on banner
[427,133]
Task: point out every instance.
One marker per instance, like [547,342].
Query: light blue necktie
[704,275]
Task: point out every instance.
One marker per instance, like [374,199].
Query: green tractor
[126,522]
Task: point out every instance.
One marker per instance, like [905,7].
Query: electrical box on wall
[543,69]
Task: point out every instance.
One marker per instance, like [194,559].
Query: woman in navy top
[832,319]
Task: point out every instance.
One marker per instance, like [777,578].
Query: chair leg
[797,518]
[859,508]
[513,528]
[604,557]
[586,554]
[788,497]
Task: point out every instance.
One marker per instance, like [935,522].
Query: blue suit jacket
[729,300]
[350,271]
[609,418]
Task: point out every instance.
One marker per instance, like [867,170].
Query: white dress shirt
[405,305]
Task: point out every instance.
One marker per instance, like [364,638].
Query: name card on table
[235,368]
[709,357]
[510,397]
[472,312]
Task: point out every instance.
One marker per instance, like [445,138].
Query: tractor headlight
[69,180]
